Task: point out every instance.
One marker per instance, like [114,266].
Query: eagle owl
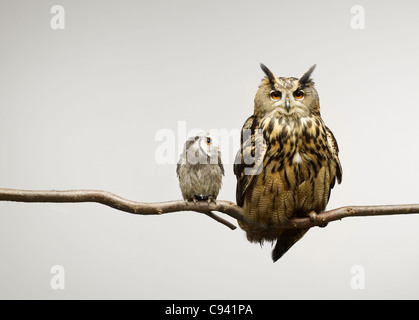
[288,161]
[200,169]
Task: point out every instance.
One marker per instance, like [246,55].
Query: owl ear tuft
[268,73]
[305,78]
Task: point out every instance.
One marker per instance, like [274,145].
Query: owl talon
[211,199]
[188,201]
[313,216]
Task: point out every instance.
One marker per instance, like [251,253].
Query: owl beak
[287,105]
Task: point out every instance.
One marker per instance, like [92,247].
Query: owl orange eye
[208,141]
[298,94]
[275,95]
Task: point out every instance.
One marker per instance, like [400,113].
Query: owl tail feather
[285,241]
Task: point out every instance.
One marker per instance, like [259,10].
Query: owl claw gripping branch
[294,160]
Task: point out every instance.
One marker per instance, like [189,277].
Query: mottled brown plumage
[288,162]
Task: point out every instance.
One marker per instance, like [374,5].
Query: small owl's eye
[208,141]
[275,95]
[298,94]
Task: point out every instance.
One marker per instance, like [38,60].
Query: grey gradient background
[80,108]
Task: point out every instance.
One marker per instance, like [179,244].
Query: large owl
[200,169]
[288,162]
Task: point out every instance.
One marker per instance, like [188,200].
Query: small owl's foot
[211,199]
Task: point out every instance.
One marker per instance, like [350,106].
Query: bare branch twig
[112,200]
[226,207]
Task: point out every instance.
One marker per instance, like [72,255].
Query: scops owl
[200,169]
[288,162]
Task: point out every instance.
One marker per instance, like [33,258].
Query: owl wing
[241,179]
[249,159]
[178,168]
[179,164]
[334,148]
[220,163]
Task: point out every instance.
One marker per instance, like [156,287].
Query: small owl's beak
[287,105]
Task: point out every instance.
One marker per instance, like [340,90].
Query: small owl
[200,169]
[288,162]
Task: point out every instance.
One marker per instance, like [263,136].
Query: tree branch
[226,207]
[112,200]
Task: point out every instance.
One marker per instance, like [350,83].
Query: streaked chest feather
[295,143]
